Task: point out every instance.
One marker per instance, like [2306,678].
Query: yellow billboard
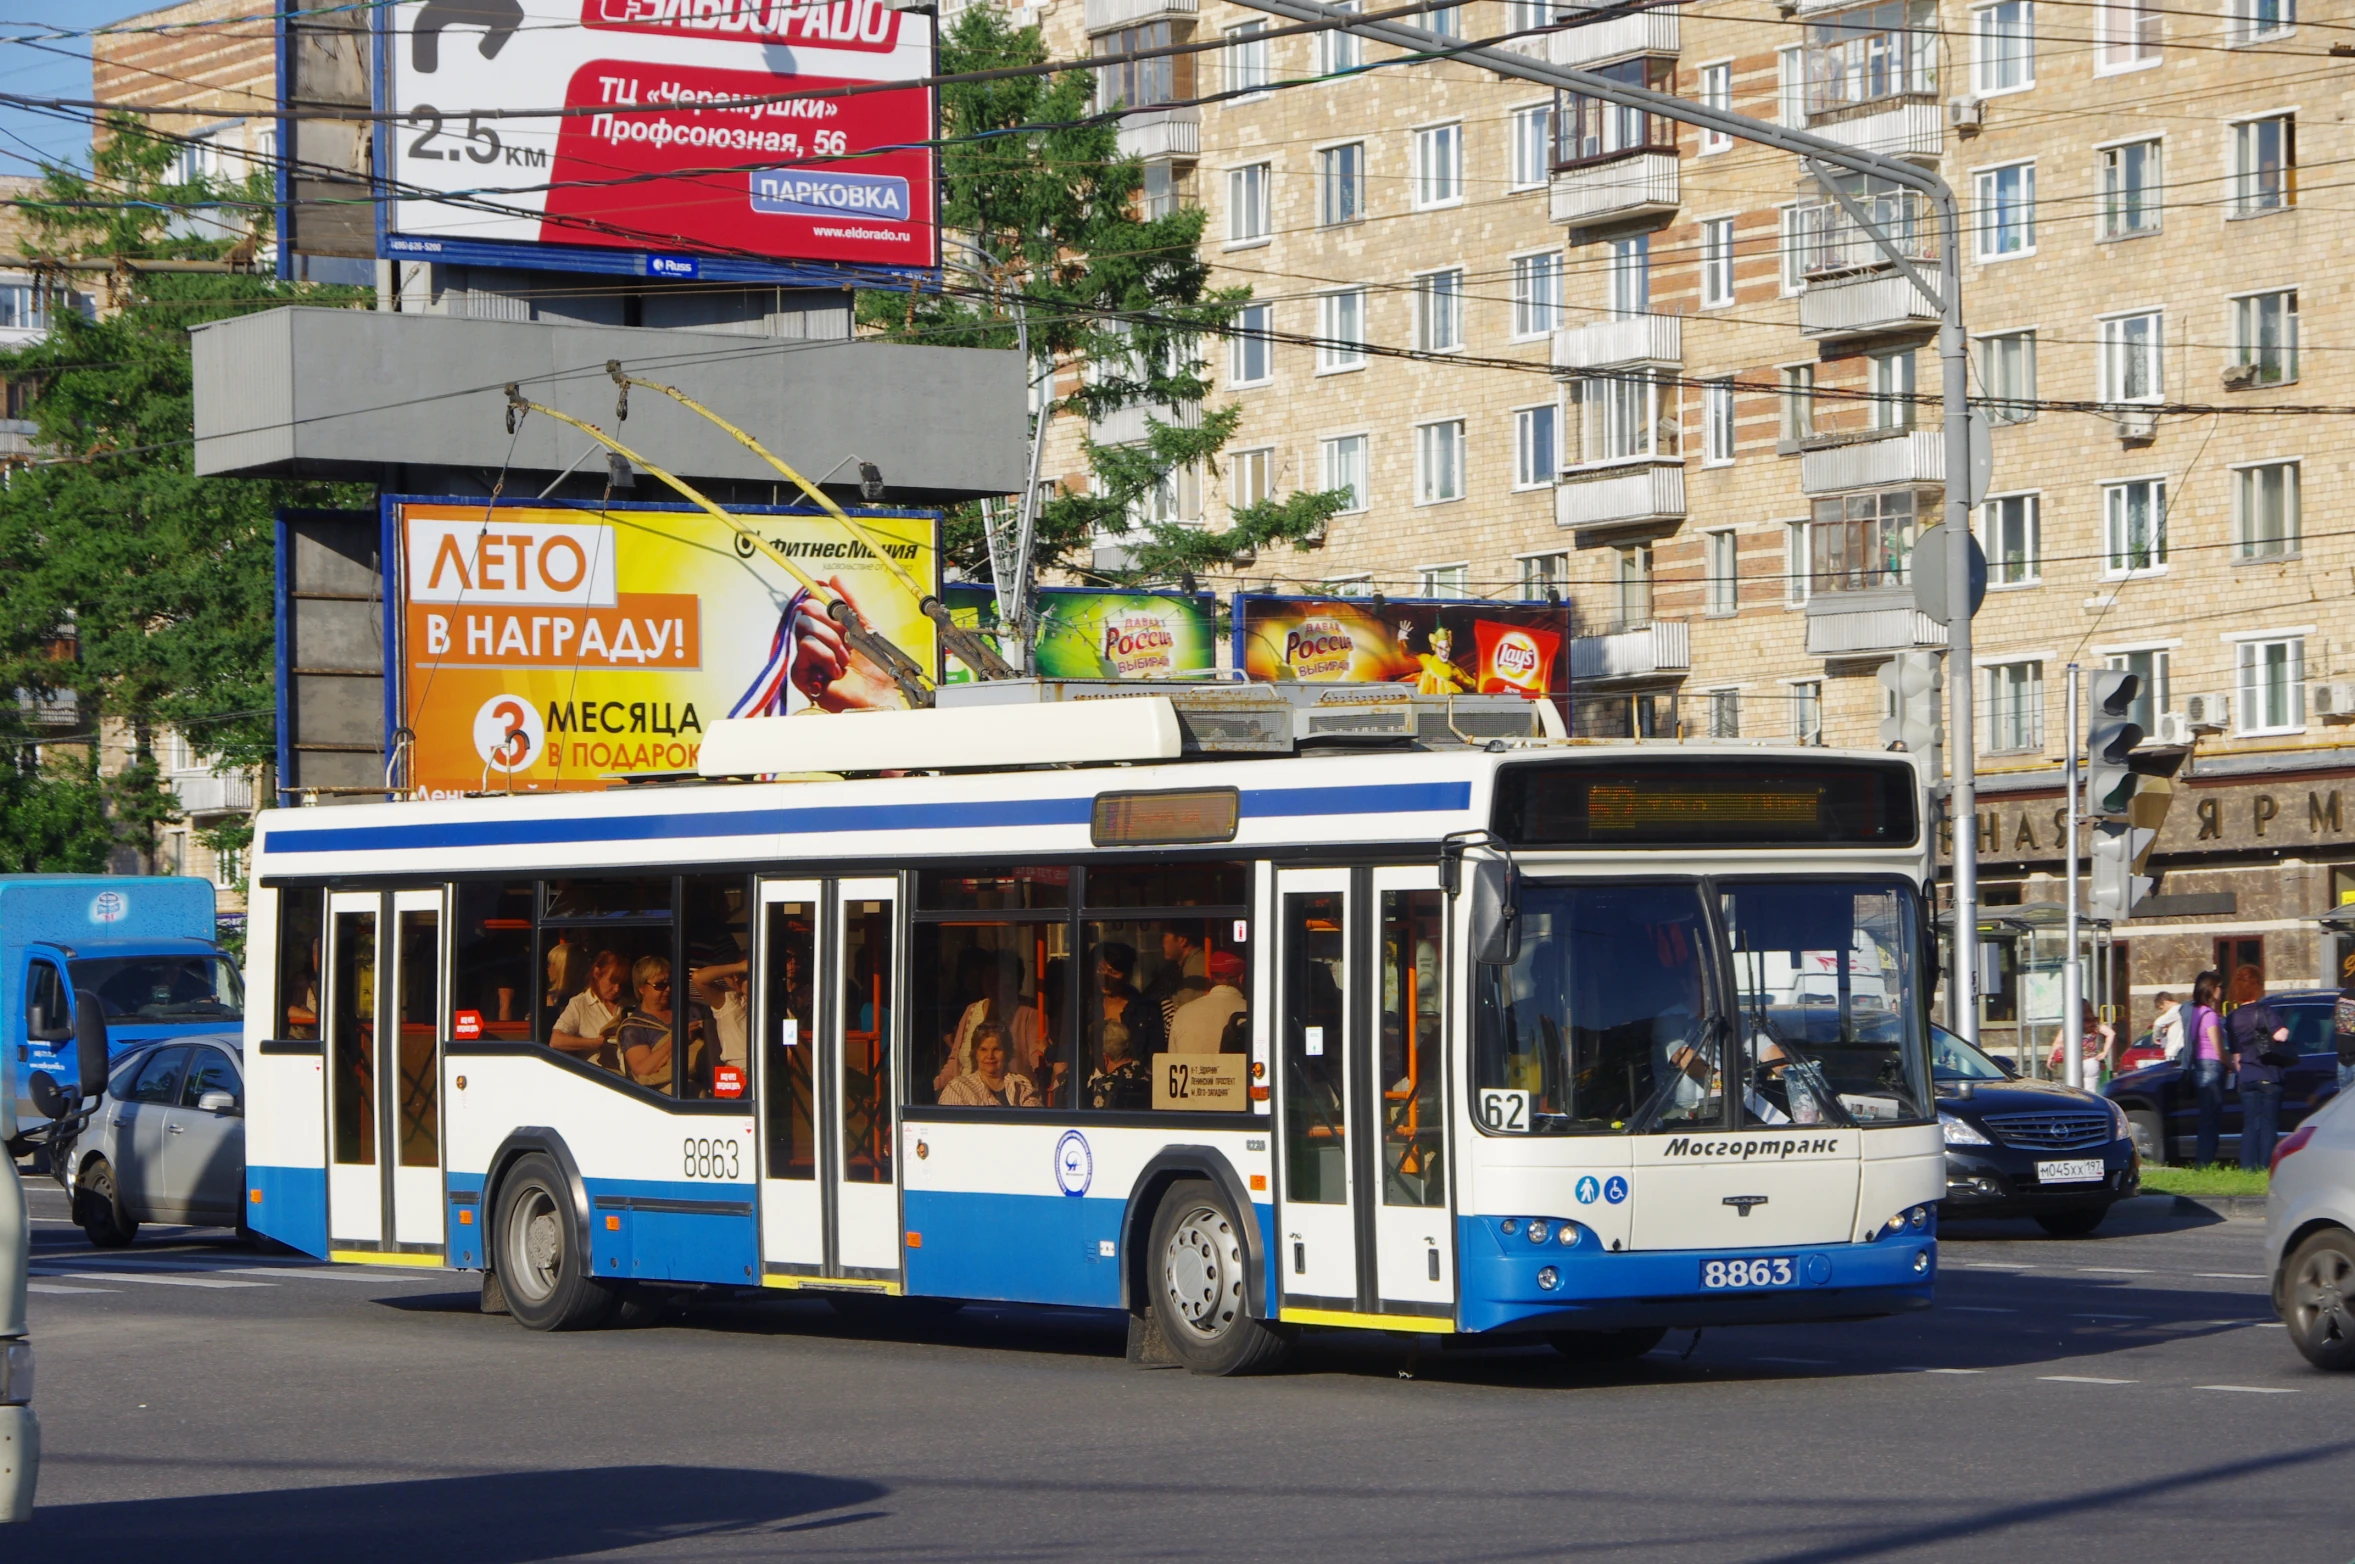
[546,647]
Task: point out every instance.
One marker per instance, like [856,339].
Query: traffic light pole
[1962,802]
[2072,973]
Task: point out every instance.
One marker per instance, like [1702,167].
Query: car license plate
[2084,1170]
[1747,1275]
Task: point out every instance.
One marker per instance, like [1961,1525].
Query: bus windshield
[164,988]
[1626,998]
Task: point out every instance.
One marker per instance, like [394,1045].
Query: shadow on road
[502,1519]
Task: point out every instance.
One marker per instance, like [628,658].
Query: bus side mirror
[90,1043]
[48,1097]
[1496,912]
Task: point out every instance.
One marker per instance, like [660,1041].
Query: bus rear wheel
[1196,1271]
[540,1264]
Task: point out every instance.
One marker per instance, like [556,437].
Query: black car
[2027,1148]
[2165,1113]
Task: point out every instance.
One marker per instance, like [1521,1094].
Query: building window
[2264,165]
[1725,714]
[2134,526]
[1439,166]
[1717,423]
[1717,262]
[2015,707]
[2003,47]
[1337,50]
[2254,21]
[2265,505]
[2011,530]
[1790,86]
[1717,92]
[1537,293]
[1723,594]
[1871,53]
[2007,376]
[2151,698]
[1444,581]
[1134,83]
[22,307]
[1439,311]
[1536,445]
[1543,576]
[1631,573]
[2133,367]
[1798,403]
[1863,542]
[1174,499]
[1345,469]
[1341,330]
[1439,462]
[1631,277]
[1341,181]
[1892,376]
[2129,35]
[1524,16]
[1533,145]
[1251,352]
[1248,478]
[1247,204]
[1247,58]
[1588,130]
[2007,211]
[2265,335]
[1626,417]
[1164,195]
[1796,573]
[1445,20]
[2272,685]
[1807,711]
[2130,194]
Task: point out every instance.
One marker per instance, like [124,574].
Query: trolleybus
[1522,1039]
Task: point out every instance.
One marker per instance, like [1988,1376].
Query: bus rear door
[384,1004]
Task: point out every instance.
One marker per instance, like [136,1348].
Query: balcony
[1607,344]
[1866,305]
[1104,16]
[1869,623]
[1642,494]
[57,709]
[1879,461]
[1126,425]
[1639,652]
[1913,126]
[1172,135]
[212,793]
[1616,38]
[1642,184]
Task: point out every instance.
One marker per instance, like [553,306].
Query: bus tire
[98,1207]
[1195,1272]
[1606,1348]
[537,1253]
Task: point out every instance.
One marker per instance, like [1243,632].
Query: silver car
[165,1144]
[2310,1234]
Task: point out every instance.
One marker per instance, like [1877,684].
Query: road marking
[2109,1316]
[2252,1390]
[1954,1371]
[2116,1270]
[339,1274]
[151,1281]
[1975,1308]
[1802,1362]
[2084,1379]
[2269,1325]
[2231,1276]
[53,1287]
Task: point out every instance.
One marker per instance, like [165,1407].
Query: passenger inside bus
[989,1084]
[1120,1005]
[724,989]
[1122,1082]
[644,1037]
[586,1025]
[1215,1020]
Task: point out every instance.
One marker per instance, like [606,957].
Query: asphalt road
[2123,1397]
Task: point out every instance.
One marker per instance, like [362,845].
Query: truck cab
[142,949]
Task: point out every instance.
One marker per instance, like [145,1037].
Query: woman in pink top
[2203,1058]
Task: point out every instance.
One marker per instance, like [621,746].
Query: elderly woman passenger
[987,1084]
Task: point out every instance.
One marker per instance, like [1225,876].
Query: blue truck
[143,948]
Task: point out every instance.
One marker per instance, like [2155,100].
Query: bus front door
[384,1004]
[1362,1204]
[830,1197]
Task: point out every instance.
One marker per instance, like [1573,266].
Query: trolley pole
[1946,295]
[2072,973]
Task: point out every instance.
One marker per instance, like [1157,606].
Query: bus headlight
[1538,1231]
[1548,1278]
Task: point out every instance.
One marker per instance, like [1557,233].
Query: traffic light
[1911,678]
[2119,852]
[2110,737]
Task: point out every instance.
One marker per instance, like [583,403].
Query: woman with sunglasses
[643,1035]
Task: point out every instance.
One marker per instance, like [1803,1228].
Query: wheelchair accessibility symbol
[1616,1190]
[1587,1190]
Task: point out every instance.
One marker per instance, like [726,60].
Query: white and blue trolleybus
[1237,1012]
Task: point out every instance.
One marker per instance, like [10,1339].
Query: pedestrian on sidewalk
[2343,1032]
[2203,1053]
[2259,1040]
[2095,1038]
[2167,1030]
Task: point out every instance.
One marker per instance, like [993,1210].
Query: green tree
[125,579]
[1055,210]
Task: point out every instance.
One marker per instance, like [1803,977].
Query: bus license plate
[1747,1275]
[2082,1170]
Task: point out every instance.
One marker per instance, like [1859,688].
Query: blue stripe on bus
[627,1241]
[292,1207]
[1014,1248]
[1257,804]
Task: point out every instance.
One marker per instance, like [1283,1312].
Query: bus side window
[990,975]
[493,973]
[302,917]
[716,1001]
[790,1077]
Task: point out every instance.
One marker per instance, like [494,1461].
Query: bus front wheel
[540,1263]
[1197,1270]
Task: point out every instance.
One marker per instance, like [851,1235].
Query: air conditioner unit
[2171,729]
[2239,377]
[1965,116]
[2332,700]
[2137,425]
[2207,713]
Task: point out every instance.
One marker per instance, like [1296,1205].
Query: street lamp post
[1962,809]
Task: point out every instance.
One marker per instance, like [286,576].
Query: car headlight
[2118,1119]
[16,1373]
[1960,1133]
